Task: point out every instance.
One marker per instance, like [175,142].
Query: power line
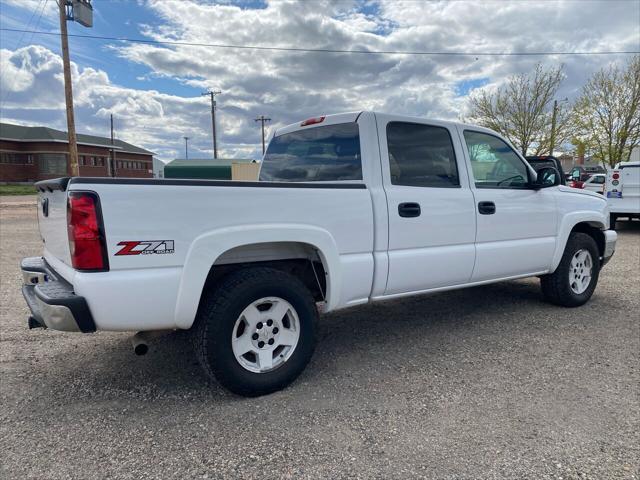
[33,14]
[328,50]
[35,28]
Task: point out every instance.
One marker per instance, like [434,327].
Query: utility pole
[212,94]
[554,116]
[111,171]
[186,148]
[72,168]
[79,11]
[553,127]
[262,119]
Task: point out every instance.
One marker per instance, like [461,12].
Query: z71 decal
[145,247]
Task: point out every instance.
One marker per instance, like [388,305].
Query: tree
[580,145]
[522,110]
[607,113]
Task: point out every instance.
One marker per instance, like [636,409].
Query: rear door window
[421,156]
[320,154]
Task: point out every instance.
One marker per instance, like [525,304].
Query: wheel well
[298,259]
[594,231]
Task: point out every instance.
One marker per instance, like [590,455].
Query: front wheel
[576,277]
[255,333]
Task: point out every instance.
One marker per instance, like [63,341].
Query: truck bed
[187,212]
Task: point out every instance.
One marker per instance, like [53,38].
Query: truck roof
[323,120]
[627,164]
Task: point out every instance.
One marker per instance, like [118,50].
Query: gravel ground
[484,383]
[17,200]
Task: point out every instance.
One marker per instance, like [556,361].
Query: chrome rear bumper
[51,299]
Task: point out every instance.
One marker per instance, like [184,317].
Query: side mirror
[547,177]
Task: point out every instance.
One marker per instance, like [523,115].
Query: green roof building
[209,169]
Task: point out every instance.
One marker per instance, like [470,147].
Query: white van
[623,191]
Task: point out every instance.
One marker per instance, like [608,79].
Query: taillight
[311,121]
[615,176]
[86,233]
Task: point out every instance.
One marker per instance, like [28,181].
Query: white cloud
[32,77]
[289,86]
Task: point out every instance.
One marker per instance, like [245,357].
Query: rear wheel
[255,333]
[576,277]
[613,218]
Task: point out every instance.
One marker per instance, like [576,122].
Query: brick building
[36,153]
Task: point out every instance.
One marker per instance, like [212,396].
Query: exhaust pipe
[140,340]
[140,345]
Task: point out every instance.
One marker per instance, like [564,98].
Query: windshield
[319,154]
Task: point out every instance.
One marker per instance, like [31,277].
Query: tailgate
[52,219]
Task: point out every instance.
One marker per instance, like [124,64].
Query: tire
[242,305]
[613,218]
[561,287]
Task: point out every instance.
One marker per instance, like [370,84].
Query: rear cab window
[328,153]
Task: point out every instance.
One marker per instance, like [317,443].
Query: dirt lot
[485,383]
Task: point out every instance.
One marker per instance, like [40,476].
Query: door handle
[486,208]
[409,209]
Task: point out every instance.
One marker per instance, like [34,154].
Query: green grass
[17,190]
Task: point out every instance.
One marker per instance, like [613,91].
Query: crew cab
[349,209]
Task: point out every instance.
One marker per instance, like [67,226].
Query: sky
[154,90]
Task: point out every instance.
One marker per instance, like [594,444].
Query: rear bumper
[51,299]
[610,239]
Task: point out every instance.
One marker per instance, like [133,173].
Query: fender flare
[205,250]
[567,224]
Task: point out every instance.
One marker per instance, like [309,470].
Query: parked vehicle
[623,191]
[543,161]
[583,172]
[595,183]
[575,184]
[350,209]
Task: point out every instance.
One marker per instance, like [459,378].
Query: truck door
[516,225]
[431,210]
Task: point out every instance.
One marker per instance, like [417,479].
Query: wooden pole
[72,167]
[262,119]
[112,158]
[553,127]
[213,125]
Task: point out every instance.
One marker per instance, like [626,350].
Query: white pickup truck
[350,209]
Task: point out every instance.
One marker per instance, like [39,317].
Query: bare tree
[522,109]
[607,113]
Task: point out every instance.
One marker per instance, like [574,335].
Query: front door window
[494,163]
